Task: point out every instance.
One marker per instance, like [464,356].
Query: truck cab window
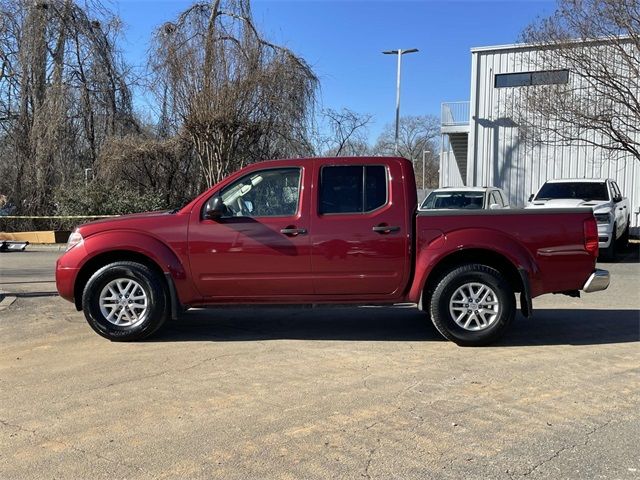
[266,193]
[352,189]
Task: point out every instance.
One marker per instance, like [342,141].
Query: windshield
[455,200]
[579,190]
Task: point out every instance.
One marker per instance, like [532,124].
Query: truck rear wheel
[472,305]
[125,301]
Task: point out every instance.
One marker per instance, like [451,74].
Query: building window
[526,79]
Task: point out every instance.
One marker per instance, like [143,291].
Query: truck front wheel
[624,239]
[472,305]
[125,301]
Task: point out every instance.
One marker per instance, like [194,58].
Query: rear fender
[430,255]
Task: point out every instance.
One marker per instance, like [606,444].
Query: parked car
[327,230]
[611,209]
[465,198]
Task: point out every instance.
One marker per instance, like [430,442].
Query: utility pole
[424,154]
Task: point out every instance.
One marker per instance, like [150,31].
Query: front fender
[436,250]
[111,242]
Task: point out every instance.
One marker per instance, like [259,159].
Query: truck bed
[548,244]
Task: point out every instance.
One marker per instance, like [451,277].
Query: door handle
[385,229]
[292,231]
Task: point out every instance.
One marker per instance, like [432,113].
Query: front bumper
[605,235]
[599,280]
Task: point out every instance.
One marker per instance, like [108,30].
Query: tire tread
[151,325]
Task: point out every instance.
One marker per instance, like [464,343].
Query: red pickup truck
[327,230]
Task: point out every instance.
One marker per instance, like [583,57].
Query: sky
[343,39]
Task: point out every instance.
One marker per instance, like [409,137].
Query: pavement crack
[102,457]
[16,426]
[6,423]
[151,375]
[372,451]
[557,453]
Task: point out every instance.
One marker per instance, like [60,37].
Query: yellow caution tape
[58,216]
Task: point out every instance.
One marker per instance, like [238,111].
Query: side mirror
[531,197]
[217,209]
[494,206]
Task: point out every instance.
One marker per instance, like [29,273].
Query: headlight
[74,239]
[602,217]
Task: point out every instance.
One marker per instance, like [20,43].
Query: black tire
[624,239]
[447,287]
[609,253]
[148,280]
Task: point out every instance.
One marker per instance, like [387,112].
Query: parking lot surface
[293,393]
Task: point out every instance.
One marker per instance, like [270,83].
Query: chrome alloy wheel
[474,306]
[124,302]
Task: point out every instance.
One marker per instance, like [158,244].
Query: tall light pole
[424,155]
[399,53]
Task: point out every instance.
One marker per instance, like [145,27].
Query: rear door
[359,233]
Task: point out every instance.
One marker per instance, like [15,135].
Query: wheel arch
[118,245]
[480,256]
[105,258]
[516,275]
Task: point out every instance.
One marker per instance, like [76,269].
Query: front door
[260,247]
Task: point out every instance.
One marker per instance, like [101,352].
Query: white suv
[611,209]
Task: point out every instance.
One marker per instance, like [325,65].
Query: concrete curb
[42,247]
[6,300]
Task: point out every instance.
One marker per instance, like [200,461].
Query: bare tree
[235,96]
[598,41]
[417,134]
[346,133]
[147,163]
[63,91]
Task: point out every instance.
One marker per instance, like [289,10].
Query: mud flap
[526,303]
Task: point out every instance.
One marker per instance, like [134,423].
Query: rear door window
[352,189]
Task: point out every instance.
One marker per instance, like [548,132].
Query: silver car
[465,198]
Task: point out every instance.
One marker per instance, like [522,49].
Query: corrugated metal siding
[449,170]
[499,156]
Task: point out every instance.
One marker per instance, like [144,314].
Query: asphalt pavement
[321,393]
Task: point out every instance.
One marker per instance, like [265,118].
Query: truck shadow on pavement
[548,327]
[631,254]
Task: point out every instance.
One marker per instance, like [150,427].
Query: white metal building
[481,145]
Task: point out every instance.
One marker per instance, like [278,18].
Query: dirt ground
[301,393]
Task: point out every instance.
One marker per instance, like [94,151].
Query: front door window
[266,193]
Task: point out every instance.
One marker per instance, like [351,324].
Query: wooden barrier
[47,236]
